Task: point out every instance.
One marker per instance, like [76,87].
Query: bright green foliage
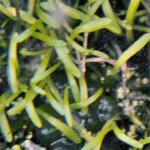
[132,50]
[69,132]
[60,33]
[91,26]
[13,68]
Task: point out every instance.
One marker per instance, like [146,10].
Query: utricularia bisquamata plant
[41,39]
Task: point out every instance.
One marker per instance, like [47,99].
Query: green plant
[57,28]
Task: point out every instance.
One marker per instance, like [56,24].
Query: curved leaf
[69,132]
[91,26]
[132,50]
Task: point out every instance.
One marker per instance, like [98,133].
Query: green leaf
[134,4]
[12,76]
[90,100]
[66,10]
[46,18]
[145,141]
[26,52]
[5,127]
[123,137]
[44,63]
[28,32]
[132,50]
[43,75]
[73,85]
[6,3]
[67,110]
[110,14]
[96,142]
[54,90]
[30,96]
[69,65]
[48,6]
[37,89]
[6,12]
[13,65]
[49,40]
[69,132]
[99,54]
[24,16]
[91,26]
[83,94]
[31,110]
[53,102]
